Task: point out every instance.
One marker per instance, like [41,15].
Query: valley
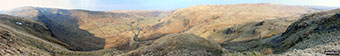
[257,29]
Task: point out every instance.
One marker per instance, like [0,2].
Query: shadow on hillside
[66,29]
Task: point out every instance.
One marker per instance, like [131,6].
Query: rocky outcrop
[316,29]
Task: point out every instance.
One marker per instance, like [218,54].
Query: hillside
[203,20]
[252,30]
[312,35]
[34,39]
[315,29]
[99,29]
[112,28]
[30,38]
[203,30]
[244,36]
[179,45]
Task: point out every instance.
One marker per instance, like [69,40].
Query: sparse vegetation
[204,30]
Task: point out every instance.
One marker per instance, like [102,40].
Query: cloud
[65,4]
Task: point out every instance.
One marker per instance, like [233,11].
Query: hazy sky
[101,5]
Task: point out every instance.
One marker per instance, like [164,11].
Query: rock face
[179,45]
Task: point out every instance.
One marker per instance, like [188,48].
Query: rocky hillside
[27,38]
[315,29]
[312,35]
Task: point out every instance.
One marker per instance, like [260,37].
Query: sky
[106,5]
